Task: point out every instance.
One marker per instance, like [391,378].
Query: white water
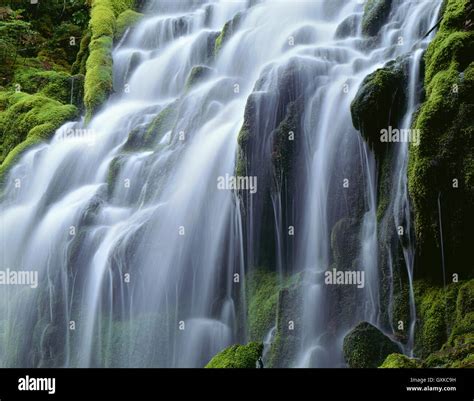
[147,274]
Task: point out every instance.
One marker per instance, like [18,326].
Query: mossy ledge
[108,19]
[238,356]
[440,178]
[444,335]
[26,120]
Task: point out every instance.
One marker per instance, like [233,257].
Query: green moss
[445,322]
[400,361]
[446,150]
[238,356]
[26,120]
[379,103]
[79,66]
[55,85]
[262,298]
[161,124]
[375,16]
[229,28]
[367,347]
[99,74]
[197,75]
[283,147]
[125,20]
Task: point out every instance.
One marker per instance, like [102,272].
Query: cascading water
[139,247]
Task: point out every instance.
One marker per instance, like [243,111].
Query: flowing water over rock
[142,256]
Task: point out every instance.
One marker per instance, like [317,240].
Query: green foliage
[446,151]
[238,356]
[125,20]
[197,74]
[262,290]
[367,347]
[99,74]
[400,361]
[229,28]
[445,331]
[26,120]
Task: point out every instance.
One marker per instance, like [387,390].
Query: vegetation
[238,356]
[367,347]
[441,167]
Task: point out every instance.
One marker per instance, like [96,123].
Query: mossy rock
[348,27]
[57,85]
[103,28]
[238,357]
[365,346]
[26,120]
[262,298]
[198,74]
[380,103]
[229,28]
[126,20]
[345,242]
[397,361]
[376,13]
[445,317]
[441,168]
[287,340]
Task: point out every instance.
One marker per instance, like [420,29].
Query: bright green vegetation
[442,166]
[229,28]
[262,289]
[127,19]
[400,361]
[238,356]
[197,75]
[367,347]
[109,20]
[444,336]
[376,13]
[38,93]
[26,120]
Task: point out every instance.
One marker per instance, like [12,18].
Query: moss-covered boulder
[26,120]
[376,13]
[365,346]
[229,28]
[445,319]
[238,356]
[287,339]
[103,29]
[198,74]
[262,298]
[380,103]
[126,20]
[441,179]
[398,361]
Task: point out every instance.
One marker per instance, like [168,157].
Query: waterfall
[141,257]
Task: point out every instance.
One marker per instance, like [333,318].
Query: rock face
[379,103]
[238,356]
[440,176]
[367,347]
[376,13]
